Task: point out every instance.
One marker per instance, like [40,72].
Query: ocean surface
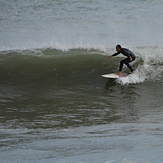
[55,107]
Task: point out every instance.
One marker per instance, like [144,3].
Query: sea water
[54,105]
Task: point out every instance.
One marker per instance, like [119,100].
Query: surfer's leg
[129,66]
[121,64]
[126,62]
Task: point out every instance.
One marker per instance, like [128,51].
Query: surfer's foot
[117,73]
[131,72]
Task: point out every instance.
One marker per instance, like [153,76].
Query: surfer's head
[118,48]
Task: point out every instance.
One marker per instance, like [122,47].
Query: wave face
[52,66]
[77,65]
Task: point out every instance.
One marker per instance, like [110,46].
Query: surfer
[130,57]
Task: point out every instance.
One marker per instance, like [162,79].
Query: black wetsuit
[126,61]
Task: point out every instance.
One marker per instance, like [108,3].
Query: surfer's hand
[110,56]
[131,59]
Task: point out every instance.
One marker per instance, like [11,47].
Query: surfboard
[114,76]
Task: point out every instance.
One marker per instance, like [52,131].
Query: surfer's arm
[130,58]
[115,54]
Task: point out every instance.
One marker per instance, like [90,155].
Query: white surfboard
[114,76]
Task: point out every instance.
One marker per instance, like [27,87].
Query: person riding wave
[130,58]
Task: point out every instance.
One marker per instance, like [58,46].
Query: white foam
[142,73]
